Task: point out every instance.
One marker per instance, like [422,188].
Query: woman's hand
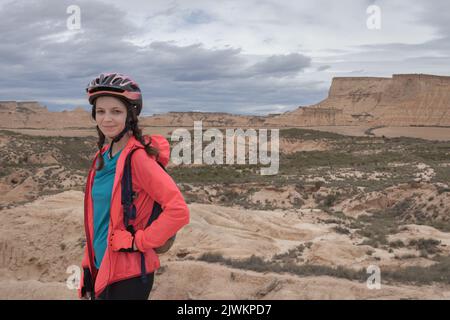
[123,241]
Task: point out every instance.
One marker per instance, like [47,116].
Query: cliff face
[16,114]
[31,114]
[403,100]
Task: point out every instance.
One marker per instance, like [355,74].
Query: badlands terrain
[364,190]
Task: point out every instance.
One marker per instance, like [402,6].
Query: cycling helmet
[118,85]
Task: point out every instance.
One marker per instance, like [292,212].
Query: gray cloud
[282,64]
[198,17]
[384,59]
[38,64]
[323,68]
[41,60]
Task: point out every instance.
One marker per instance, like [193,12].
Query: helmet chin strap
[118,137]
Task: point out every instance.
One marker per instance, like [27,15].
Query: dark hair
[132,120]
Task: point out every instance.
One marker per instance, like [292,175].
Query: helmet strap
[118,137]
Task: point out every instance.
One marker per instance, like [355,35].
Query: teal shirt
[101,198]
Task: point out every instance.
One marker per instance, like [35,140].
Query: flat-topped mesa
[8,106]
[344,85]
[403,100]
[30,114]
[22,106]
[422,76]
[370,85]
[19,114]
[31,107]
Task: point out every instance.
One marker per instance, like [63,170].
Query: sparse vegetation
[341,230]
[350,167]
[376,227]
[427,246]
[291,255]
[438,273]
[396,244]
[258,264]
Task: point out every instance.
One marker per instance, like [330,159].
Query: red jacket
[151,183]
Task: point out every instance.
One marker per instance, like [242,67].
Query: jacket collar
[131,144]
[132,141]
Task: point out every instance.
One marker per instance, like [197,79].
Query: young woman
[117,263]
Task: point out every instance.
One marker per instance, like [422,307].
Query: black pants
[130,289]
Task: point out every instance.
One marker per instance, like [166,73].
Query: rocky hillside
[338,205]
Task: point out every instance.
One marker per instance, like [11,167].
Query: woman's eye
[114,111]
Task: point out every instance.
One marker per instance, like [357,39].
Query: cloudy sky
[243,57]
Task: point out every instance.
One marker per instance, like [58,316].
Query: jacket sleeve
[83,278]
[162,189]
[85,261]
[86,283]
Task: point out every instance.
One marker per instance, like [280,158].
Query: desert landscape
[363,180]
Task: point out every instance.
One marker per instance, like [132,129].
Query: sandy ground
[48,235]
[84,132]
[291,146]
[200,280]
[428,133]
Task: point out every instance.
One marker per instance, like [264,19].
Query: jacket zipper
[86,227]
[109,239]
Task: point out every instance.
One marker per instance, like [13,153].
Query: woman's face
[110,115]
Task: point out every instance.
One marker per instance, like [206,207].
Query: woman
[112,264]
